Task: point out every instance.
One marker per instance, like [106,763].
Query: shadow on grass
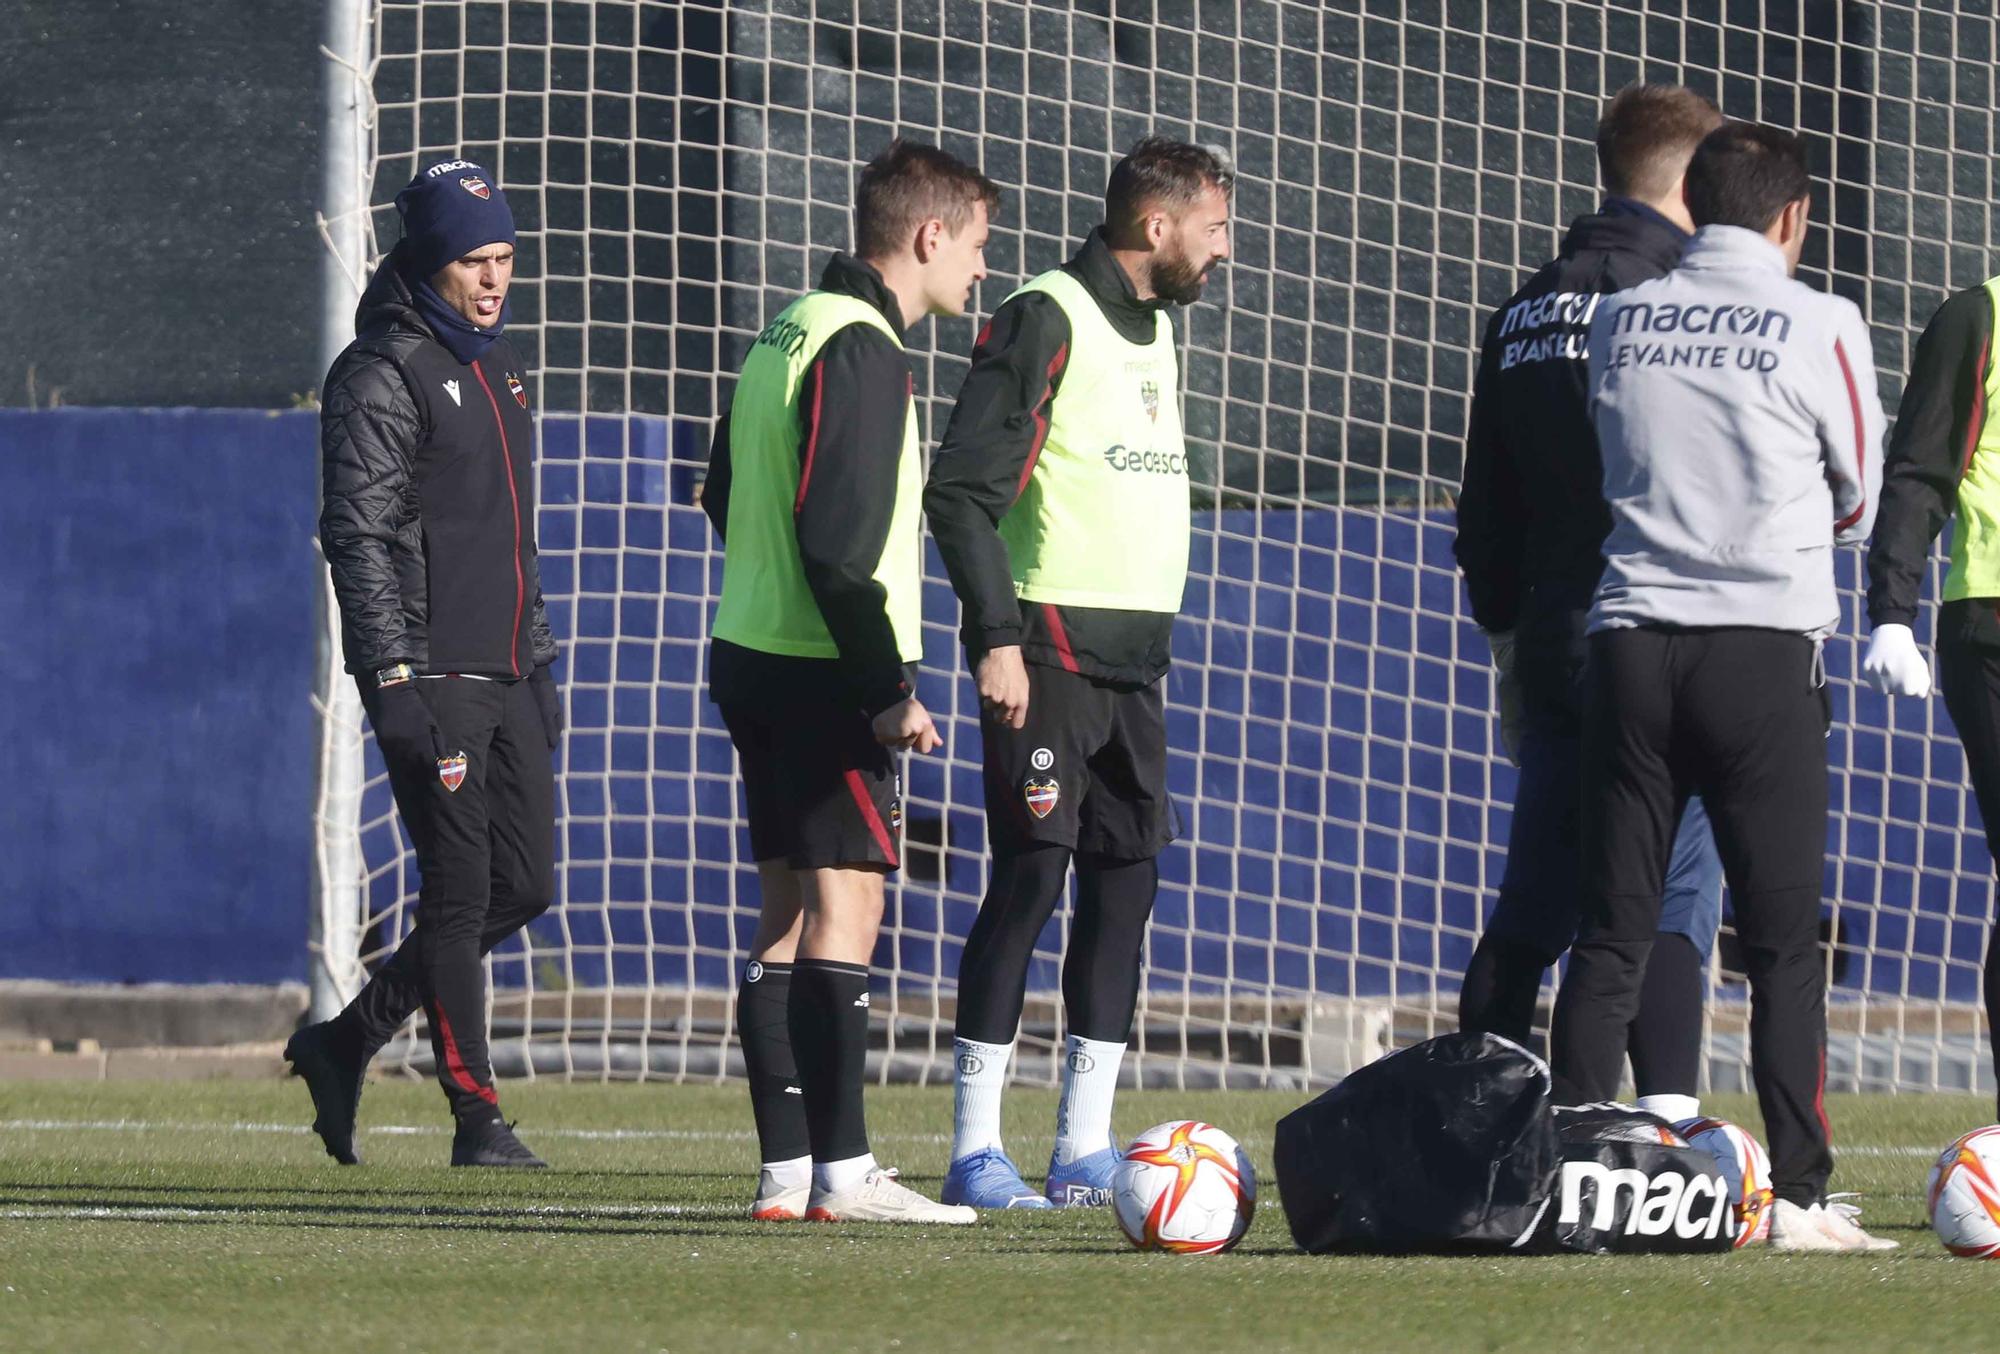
[485,1226]
[167,1206]
[360,1195]
[1096,1246]
[108,1186]
[100,1203]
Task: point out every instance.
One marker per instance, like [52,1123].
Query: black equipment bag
[1451,1146]
[1446,1146]
[1629,1184]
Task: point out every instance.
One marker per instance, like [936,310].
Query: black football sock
[763,1027]
[829,1025]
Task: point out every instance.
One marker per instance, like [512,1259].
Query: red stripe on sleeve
[869,815]
[1977,423]
[817,375]
[1042,419]
[1060,636]
[1860,438]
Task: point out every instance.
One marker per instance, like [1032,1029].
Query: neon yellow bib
[766,603]
[1975,535]
[1104,520]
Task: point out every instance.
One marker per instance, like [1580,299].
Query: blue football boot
[987,1179]
[1085,1182]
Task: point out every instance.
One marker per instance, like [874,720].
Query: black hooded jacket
[427,503]
[1531,511]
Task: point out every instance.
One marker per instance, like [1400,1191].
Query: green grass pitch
[201,1217]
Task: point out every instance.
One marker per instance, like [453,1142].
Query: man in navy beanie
[454,214]
[427,521]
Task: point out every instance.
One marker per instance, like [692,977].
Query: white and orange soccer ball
[1745,1168]
[1186,1187]
[1964,1195]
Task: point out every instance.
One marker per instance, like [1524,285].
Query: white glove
[1506,692]
[1895,666]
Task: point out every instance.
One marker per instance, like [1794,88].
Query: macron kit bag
[1452,1146]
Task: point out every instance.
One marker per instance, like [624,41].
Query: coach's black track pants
[1738,716]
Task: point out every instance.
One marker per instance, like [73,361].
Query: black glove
[404,725]
[549,698]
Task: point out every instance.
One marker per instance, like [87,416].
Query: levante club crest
[1041,794]
[476,186]
[451,770]
[520,391]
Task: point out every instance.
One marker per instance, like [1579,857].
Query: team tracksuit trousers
[486,854]
[1738,716]
[1534,918]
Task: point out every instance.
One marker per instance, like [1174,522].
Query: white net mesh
[679,171]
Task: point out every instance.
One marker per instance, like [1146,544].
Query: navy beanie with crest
[450,209]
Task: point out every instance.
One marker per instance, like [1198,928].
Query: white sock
[1672,1108]
[783,1175]
[980,1081]
[830,1177]
[1089,1080]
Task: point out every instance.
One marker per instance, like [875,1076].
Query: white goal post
[680,170]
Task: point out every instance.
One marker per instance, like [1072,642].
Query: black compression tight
[1100,980]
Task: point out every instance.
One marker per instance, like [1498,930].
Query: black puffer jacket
[427,507]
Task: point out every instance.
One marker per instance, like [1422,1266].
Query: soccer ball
[1186,1187]
[1964,1196]
[1744,1166]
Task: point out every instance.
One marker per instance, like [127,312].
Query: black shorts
[1089,771]
[821,792]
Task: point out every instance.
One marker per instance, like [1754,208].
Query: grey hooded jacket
[1741,434]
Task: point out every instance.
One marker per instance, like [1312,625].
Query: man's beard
[1178,280]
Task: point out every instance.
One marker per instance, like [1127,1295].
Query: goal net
[680,171]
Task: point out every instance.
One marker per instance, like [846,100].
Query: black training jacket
[1938,424]
[427,498]
[852,409]
[996,431]
[1531,512]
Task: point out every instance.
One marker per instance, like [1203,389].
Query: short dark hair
[1744,174]
[1161,174]
[1647,134]
[908,184]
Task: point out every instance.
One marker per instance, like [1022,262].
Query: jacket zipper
[520,584]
